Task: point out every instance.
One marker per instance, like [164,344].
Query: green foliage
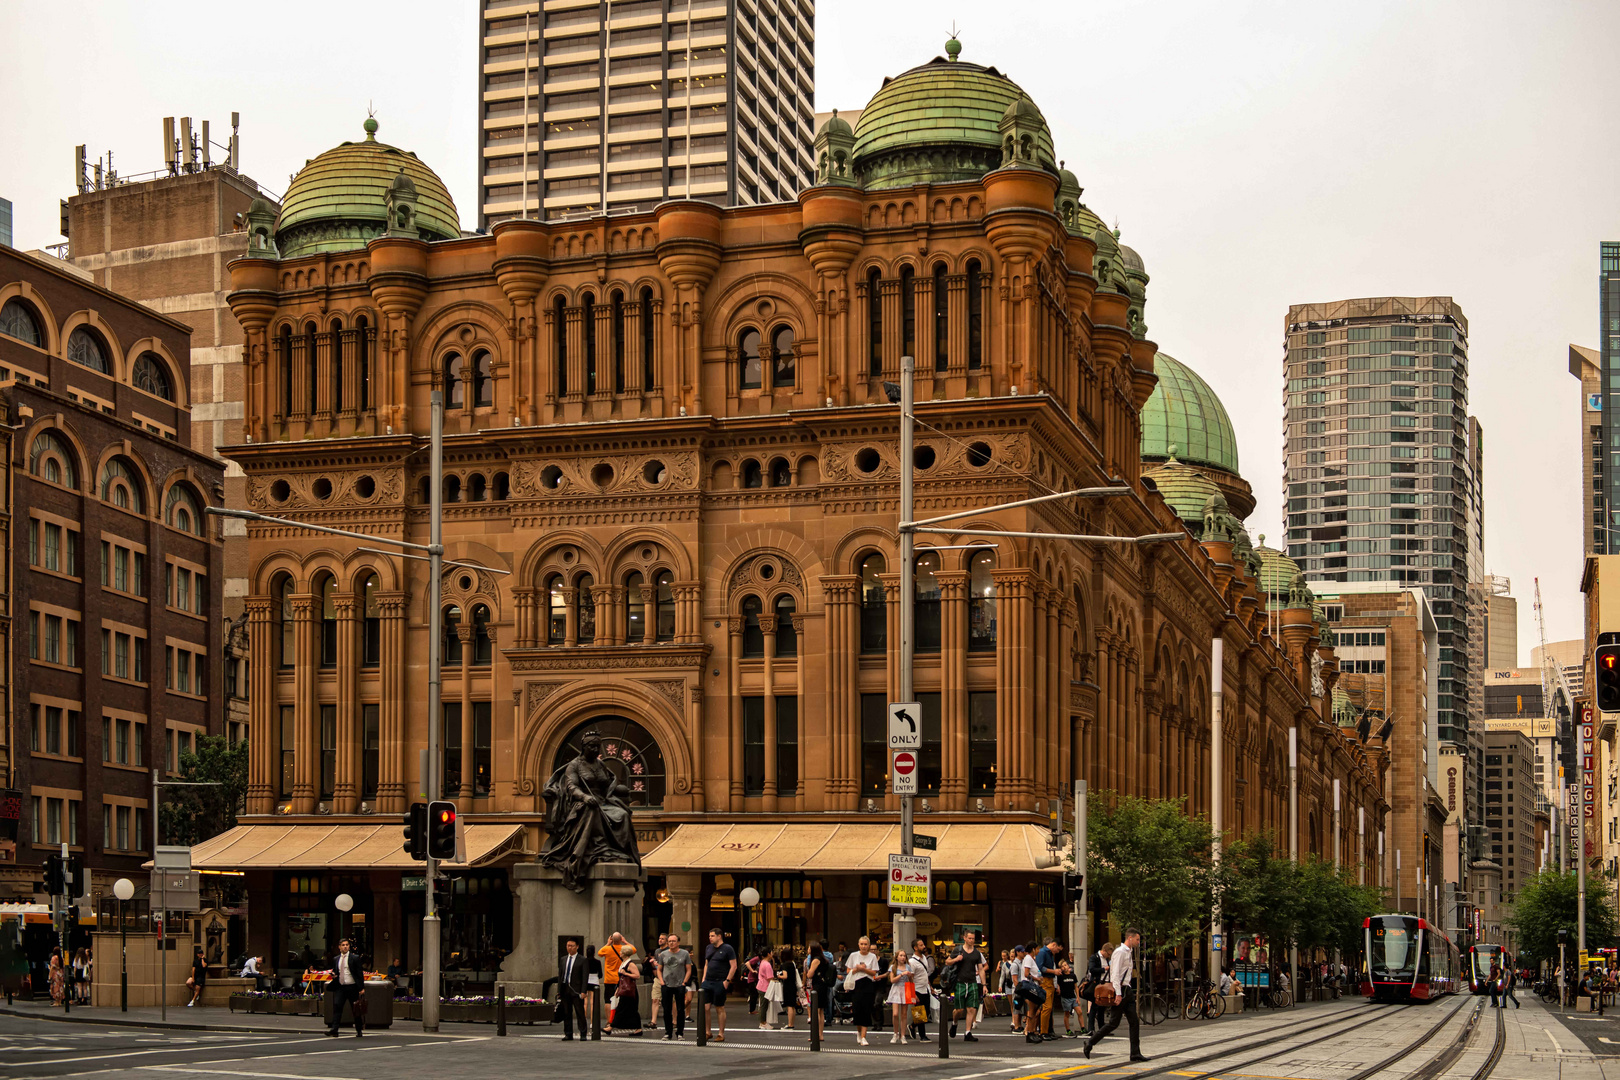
[1152,863]
[1310,904]
[190,815]
[1548,903]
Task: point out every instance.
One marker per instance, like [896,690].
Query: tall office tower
[5,223]
[1382,472]
[594,105]
[1587,366]
[1501,624]
[1609,362]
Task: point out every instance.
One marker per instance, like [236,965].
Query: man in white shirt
[1122,975]
[250,969]
[348,982]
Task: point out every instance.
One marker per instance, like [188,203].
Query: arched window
[927,606]
[311,365]
[618,342]
[17,320]
[326,597]
[122,486]
[335,368]
[585,600]
[450,648]
[942,319]
[782,362]
[874,328]
[483,647]
[752,477]
[502,487]
[477,488]
[556,611]
[635,608]
[787,638]
[425,490]
[628,749]
[452,489]
[751,373]
[282,592]
[559,344]
[975,327]
[874,613]
[285,349]
[587,326]
[86,349]
[981,602]
[152,376]
[664,602]
[483,395]
[908,311]
[371,642]
[753,637]
[455,386]
[181,510]
[49,459]
[649,362]
[362,362]
[781,472]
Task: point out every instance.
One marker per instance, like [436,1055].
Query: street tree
[1153,864]
[1547,903]
[190,815]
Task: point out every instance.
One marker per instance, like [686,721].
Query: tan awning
[337,847]
[851,848]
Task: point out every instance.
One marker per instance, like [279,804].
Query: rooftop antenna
[79,172]
[207,156]
[236,143]
[188,146]
[170,153]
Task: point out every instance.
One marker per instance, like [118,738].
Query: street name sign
[905,725]
[924,842]
[911,881]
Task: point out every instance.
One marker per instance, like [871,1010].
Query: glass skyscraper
[1606,467]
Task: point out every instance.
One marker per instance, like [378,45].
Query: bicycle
[1152,1009]
[1204,1003]
[1276,998]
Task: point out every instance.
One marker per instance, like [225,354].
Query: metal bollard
[947,1010]
[814,998]
[703,1017]
[596,1014]
[500,1009]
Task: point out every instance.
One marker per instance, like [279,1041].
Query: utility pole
[905,923]
[1217,791]
[1293,842]
[1080,919]
[430,918]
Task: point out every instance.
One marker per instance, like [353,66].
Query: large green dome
[937,123]
[1185,413]
[339,200]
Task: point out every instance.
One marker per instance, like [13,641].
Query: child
[1068,991]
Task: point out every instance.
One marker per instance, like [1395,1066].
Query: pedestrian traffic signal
[416,831]
[1606,658]
[442,830]
[52,870]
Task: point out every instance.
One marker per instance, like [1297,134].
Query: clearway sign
[911,881]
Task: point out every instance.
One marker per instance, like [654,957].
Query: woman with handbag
[788,991]
[902,994]
[627,999]
[862,971]
[819,977]
[769,990]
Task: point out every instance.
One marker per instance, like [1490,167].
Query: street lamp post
[123,888]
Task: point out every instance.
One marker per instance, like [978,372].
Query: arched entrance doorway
[629,750]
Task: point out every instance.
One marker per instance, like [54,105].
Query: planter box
[240,1002]
[528,1014]
[1234,1004]
[407,1010]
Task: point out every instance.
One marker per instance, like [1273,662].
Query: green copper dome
[1277,573]
[938,123]
[1345,713]
[1186,489]
[339,200]
[1185,412]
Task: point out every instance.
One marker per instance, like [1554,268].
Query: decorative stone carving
[579,476]
[764,572]
[672,690]
[538,692]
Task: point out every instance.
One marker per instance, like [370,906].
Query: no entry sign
[905,772]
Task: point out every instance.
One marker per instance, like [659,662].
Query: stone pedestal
[545,911]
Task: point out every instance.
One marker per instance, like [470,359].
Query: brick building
[114,574]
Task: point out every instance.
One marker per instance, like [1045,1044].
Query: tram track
[1408,1051]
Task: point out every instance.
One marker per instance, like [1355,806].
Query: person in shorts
[969,965]
[1068,991]
[719,972]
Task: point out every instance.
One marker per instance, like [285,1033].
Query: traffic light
[1073,888]
[441,841]
[52,869]
[1606,658]
[416,831]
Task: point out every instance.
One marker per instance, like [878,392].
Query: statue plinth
[545,912]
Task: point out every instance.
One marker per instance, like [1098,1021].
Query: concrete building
[696,504]
[1511,793]
[1609,362]
[5,223]
[590,107]
[165,242]
[1501,625]
[114,577]
[1587,366]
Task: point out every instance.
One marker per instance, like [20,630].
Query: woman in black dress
[787,971]
[863,967]
[627,1006]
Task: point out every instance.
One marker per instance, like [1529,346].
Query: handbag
[1103,996]
[773,992]
[919,1014]
[625,988]
[850,980]
[1033,991]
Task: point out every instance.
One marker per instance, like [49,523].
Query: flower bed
[477,1010]
[274,1002]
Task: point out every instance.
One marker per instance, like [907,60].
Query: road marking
[1554,1038]
[234,1072]
[141,1053]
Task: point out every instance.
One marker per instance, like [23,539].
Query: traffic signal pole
[905,922]
[430,918]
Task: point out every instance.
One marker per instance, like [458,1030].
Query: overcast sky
[1256,154]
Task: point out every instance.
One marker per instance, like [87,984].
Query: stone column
[346,792]
[801,624]
[953,707]
[263,778]
[570,597]
[734,726]
[464,797]
[609,614]
[839,592]
[688,616]
[1040,690]
[634,362]
[306,736]
[767,625]
[686,896]
[523,618]
[393,781]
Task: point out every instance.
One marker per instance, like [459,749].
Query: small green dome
[940,122]
[1345,714]
[339,200]
[1277,574]
[1186,489]
[1183,410]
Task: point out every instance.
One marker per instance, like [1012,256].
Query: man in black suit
[348,983]
[571,984]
